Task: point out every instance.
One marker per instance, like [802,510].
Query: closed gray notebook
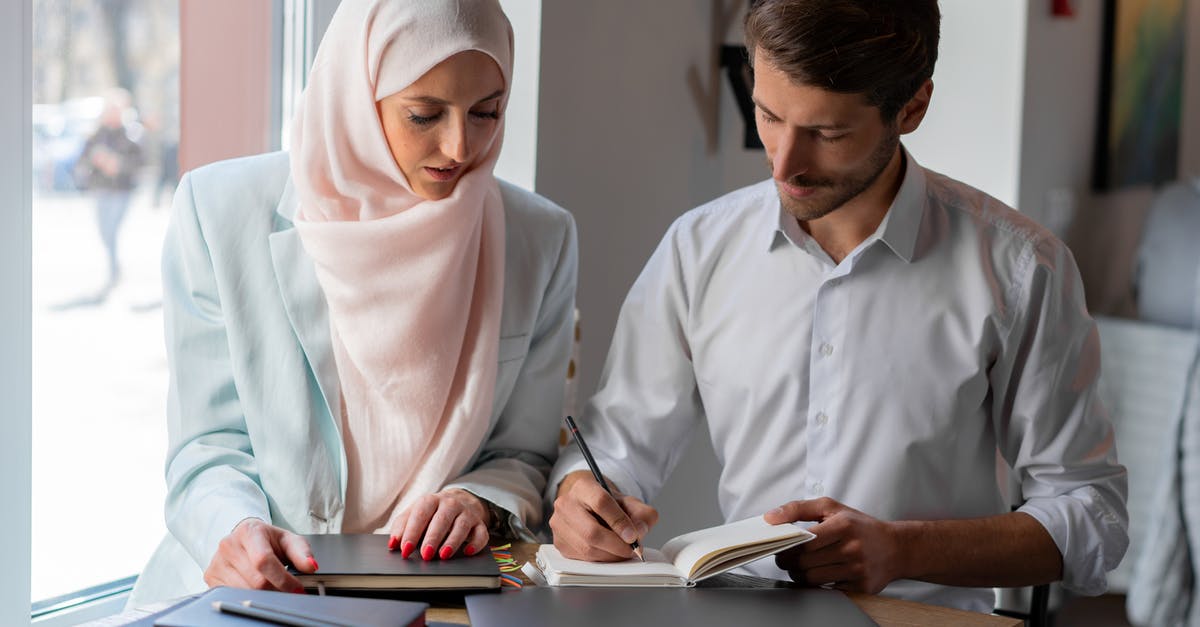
[661,607]
[200,612]
[361,561]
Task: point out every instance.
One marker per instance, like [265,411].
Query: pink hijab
[414,286]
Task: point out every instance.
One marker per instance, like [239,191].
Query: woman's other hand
[253,556]
[441,524]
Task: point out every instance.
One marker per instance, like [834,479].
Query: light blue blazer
[252,420]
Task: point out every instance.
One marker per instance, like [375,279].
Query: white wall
[15,189]
[636,127]
[1061,75]
[518,160]
[972,131]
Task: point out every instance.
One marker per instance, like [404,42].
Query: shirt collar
[903,221]
[900,226]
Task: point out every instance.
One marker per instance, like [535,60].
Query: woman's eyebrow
[438,101]
[491,96]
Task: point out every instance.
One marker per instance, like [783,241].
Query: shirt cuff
[502,503]
[1091,535]
[201,535]
[571,460]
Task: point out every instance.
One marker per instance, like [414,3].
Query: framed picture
[1141,93]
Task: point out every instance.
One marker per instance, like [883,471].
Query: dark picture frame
[1141,93]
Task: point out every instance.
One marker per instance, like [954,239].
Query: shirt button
[822,419]
[834,282]
[816,487]
[827,349]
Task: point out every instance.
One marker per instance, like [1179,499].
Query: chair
[1038,614]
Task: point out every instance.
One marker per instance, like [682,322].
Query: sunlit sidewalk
[99,396]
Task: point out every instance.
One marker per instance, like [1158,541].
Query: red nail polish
[313,562]
[407,549]
[392,542]
[470,550]
[426,552]
[446,552]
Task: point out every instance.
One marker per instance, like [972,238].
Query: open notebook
[683,560]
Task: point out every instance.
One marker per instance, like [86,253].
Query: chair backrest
[1143,384]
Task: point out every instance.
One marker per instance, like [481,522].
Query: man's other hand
[852,551]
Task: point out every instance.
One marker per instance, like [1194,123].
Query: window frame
[16,187]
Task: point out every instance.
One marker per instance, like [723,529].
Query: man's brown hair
[883,49]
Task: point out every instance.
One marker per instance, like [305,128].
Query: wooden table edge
[886,611]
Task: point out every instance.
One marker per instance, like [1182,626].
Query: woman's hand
[253,554]
[441,523]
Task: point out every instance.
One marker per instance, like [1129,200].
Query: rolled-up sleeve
[1050,423]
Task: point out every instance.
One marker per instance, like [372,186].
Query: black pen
[275,615]
[591,462]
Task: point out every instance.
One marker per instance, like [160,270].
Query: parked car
[59,133]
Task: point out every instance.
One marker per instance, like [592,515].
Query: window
[105,81]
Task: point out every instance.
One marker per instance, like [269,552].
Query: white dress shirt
[887,381]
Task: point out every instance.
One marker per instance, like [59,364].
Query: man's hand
[445,520]
[253,555]
[588,524]
[852,550]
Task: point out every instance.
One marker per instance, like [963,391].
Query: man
[861,336]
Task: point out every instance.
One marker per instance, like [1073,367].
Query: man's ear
[913,112]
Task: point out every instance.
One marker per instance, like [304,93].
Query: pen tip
[638,551]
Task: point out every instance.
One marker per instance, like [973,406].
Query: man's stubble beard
[844,190]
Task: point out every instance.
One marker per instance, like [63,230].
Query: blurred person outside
[108,168]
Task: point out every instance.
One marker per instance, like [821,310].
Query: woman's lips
[443,175]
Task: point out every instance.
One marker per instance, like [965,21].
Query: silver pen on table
[279,616]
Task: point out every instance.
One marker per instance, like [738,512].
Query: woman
[371,333]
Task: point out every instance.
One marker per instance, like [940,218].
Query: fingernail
[426,552]
[628,534]
[643,528]
[470,550]
[299,590]
[392,542]
[407,549]
[778,511]
[447,551]
[313,562]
